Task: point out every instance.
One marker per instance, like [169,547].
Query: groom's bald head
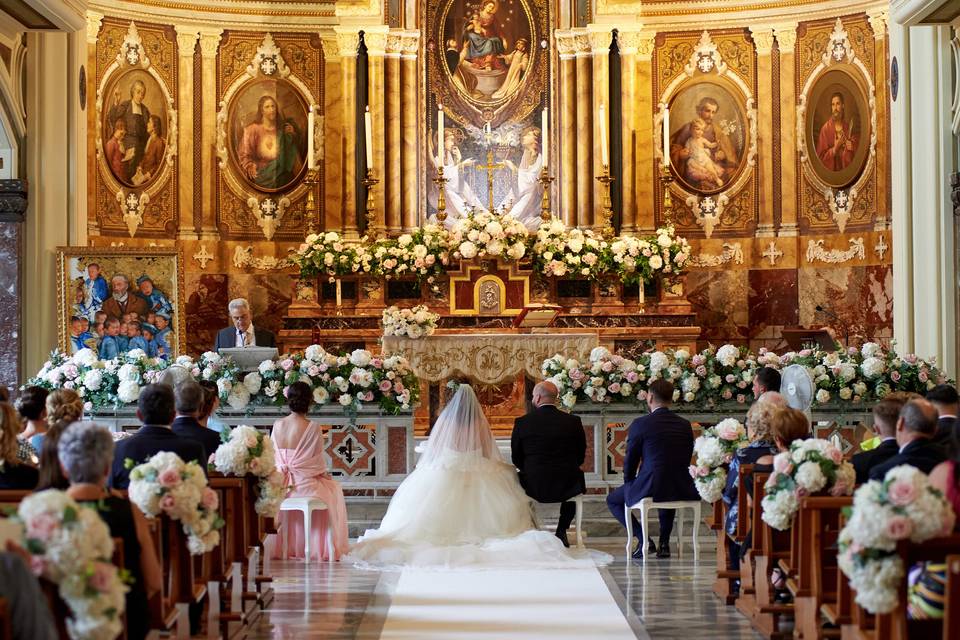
[545,393]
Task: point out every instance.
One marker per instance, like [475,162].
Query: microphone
[831,314]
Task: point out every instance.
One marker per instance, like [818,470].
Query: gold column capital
[786,35]
[348,41]
[210,42]
[376,40]
[878,19]
[636,42]
[94,21]
[410,44]
[187,37]
[762,40]
[600,38]
[566,43]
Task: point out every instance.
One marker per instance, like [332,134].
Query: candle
[339,298]
[440,150]
[666,137]
[368,122]
[604,159]
[544,136]
[311,164]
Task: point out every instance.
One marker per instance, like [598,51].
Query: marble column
[647,175]
[376,40]
[787,40]
[191,222]
[209,45]
[627,43]
[878,22]
[565,171]
[331,215]
[763,41]
[600,37]
[348,40]
[94,22]
[584,133]
[392,185]
[409,123]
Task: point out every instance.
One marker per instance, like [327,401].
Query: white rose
[468,250]
[823,396]
[846,393]
[404,240]
[128,391]
[267,366]
[360,358]
[810,477]
[136,354]
[85,357]
[93,379]
[128,372]
[656,262]
[252,382]
[239,398]
[314,352]
[664,240]
[870,349]
[345,399]
[727,355]
[320,395]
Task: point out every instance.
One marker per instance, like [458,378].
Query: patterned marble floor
[660,599]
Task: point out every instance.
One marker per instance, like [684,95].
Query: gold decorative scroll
[487,358]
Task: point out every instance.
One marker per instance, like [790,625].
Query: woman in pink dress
[300,444]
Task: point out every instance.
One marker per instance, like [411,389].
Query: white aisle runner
[514,604]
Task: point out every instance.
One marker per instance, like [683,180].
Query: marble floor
[668,599]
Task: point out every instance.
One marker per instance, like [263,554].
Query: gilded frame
[168,262]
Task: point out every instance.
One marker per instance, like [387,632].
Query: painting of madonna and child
[487,47]
[114,302]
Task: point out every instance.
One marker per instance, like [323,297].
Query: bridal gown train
[462,506]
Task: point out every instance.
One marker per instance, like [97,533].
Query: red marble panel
[206,310]
[861,298]
[10,286]
[396,450]
[616,446]
[720,300]
[588,460]
[773,298]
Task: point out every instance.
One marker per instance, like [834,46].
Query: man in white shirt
[242,333]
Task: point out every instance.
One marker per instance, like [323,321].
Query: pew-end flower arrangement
[904,506]
[414,323]
[247,450]
[71,546]
[714,449]
[166,485]
[810,467]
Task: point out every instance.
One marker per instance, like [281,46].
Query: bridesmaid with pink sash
[300,444]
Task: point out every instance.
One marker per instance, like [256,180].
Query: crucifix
[490,167]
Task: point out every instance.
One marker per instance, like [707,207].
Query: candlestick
[311,180]
[441,147]
[440,181]
[604,155]
[544,136]
[311,162]
[370,182]
[666,137]
[606,210]
[368,123]
[339,299]
[545,181]
[666,178]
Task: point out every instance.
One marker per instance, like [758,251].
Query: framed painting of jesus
[837,127]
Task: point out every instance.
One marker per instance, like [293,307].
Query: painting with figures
[134,128]
[267,126]
[838,127]
[116,300]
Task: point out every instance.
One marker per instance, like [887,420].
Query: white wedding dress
[463,506]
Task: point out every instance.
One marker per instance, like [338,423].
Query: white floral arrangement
[423,253]
[488,235]
[637,260]
[903,506]
[714,449]
[166,485]
[560,252]
[412,323]
[810,466]
[247,450]
[329,254]
[71,546]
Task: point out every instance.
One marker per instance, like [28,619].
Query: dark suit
[946,428]
[548,446]
[864,461]
[923,453]
[188,428]
[663,441]
[227,338]
[147,441]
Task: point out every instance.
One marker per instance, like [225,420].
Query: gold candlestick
[440,181]
[666,177]
[606,211]
[370,182]
[310,209]
[545,180]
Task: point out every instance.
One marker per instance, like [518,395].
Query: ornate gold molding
[786,37]
[375,37]
[600,39]
[348,41]
[816,251]
[94,22]
[636,43]
[410,44]
[878,19]
[762,40]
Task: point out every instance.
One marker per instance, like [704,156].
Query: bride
[462,505]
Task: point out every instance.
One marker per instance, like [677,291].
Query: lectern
[798,338]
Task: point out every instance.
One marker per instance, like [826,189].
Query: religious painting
[134,128]
[206,310]
[487,47]
[114,300]
[267,130]
[708,135]
[837,127]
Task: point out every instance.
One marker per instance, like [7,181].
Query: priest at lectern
[242,334]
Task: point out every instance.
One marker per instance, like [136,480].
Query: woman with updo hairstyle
[64,406]
[300,445]
[32,405]
[14,474]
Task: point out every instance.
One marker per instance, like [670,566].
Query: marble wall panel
[721,302]
[772,299]
[206,310]
[10,304]
[859,297]
[269,296]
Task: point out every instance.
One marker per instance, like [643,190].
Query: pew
[747,602]
[226,561]
[6,632]
[180,589]
[769,547]
[840,611]
[256,530]
[10,498]
[723,586]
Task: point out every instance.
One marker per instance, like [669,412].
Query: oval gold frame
[823,83]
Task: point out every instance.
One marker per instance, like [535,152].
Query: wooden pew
[10,498]
[723,586]
[747,602]
[6,632]
[769,546]
[259,586]
[179,584]
[840,611]
[227,561]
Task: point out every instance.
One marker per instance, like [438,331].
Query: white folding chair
[679,506]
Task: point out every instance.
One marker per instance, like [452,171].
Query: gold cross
[490,167]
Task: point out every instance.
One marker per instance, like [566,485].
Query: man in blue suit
[189,397]
[155,408]
[659,449]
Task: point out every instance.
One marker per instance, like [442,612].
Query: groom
[548,446]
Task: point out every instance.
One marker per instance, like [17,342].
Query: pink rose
[368,396]
[694,471]
[701,371]
[632,377]
[698,360]
[254,465]
[42,527]
[398,386]
[902,493]
[923,376]
[840,488]
[853,351]
[742,384]
[730,378]
[169,478]
[899,527]
[168,502]
[895,375]
[641,395]
[38,565]
[741,398]
[910,358]
[614,388]
[727,394]
[210,499]
[322,367]
[782,464]
[385,385]
[286,364]
[727,432]
[100,579]
[576,374]
[835,455]
[212,458]
[802,492]
[607,366]
[377,363]
[804,353]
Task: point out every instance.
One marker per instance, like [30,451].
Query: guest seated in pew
[30,617]
[155,408]
[916,428]
[64,407]
[761,444]
[766,380]
[86,452]
[14,473]
[299,445]
[189,399]
[944,398]
[32,405]
[211,402]
[885,416]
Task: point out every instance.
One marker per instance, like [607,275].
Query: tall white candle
[604,152]
[310,125]
[441,154]
[368,122]
[339,297]
[666,137]
[545,136]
